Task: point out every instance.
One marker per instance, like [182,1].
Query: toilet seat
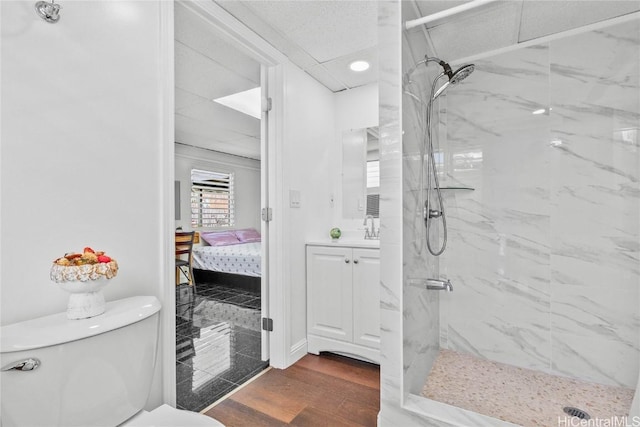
[167,416]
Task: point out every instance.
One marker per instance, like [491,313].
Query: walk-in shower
[431,204]
[544,253]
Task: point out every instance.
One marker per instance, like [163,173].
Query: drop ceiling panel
[429,7]
[240,147]
[257,23]
[482,30]
[325,78]
[220,117]
[324,29]
[541,18]
[204,130]
[354,79]
[184,99]
[198,74]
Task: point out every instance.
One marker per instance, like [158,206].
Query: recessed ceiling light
[556,142]
[359,66]
[540,111]
[247,102]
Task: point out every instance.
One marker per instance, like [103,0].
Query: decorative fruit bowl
[83,276]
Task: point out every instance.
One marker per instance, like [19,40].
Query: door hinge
[267,324]
[267,214]
[267,104]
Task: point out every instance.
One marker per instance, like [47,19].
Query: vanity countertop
[347,243]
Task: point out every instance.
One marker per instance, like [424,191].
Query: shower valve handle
[434,213]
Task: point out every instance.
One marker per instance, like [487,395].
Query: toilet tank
[92,372]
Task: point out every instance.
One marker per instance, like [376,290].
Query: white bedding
[241,259]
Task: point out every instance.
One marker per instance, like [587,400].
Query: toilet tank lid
[57,329]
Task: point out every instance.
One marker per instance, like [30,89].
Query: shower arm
[445,66]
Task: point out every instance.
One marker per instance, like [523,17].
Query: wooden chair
[184,256]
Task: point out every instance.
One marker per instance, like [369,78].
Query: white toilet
[90,372]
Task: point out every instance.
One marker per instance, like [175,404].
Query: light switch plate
[294,198]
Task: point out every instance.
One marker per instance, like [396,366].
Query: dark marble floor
[217,343]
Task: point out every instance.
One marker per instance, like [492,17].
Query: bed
[229,258]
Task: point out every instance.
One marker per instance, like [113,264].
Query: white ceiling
[206,68]
[324,36]
[321,37]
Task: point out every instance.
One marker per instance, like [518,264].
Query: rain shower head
[455,77]
[461,73]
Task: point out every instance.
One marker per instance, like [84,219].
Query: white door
[329,293]
[366,297]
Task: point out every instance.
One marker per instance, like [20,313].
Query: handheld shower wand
[430,212]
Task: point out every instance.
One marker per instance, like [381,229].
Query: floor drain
[575,412]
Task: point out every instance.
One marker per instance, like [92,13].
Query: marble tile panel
[393,416]
[579,267]
[595,359]
[605,162]
[445,415]
[594,209]
[496,258]
[501,322]
[420,331]
[612,45]
[391,355]
[502,90]
[595,311]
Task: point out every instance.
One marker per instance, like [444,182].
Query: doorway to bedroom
[219,193]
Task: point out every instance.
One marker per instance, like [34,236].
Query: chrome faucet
[370,234]
[433,284]
[440,285]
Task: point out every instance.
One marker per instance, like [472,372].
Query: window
[211,199]
[373,188]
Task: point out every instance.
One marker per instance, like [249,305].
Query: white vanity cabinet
[343,300]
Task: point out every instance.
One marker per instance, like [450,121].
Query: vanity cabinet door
[329,292]
[366,297]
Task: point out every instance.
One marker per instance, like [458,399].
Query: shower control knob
[347,260]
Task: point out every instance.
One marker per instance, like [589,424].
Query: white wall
[306,161]
[246,182]
[311,163]
[354,109]
[81,146]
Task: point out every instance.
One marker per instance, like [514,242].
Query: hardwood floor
[326,390]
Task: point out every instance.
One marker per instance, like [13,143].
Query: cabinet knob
[355,261]
[346,260]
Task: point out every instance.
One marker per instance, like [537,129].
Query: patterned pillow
[220,238]
[248,235]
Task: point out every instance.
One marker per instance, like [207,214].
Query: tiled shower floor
[217,343]
[517,395]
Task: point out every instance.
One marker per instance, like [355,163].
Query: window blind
[212,201]
[373,188]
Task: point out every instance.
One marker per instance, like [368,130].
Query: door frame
[273,62]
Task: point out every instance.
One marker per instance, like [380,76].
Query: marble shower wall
[544,254]
[420,308]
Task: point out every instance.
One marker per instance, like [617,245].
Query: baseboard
[298,351]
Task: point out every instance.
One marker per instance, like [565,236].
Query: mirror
[360,173]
